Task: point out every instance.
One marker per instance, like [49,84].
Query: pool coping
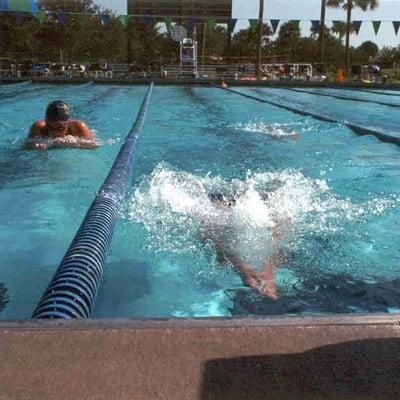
[351,357]
[160,81]
[196,323]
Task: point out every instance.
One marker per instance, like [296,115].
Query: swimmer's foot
[264,287]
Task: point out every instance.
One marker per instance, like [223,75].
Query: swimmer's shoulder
[79,128]
[38,128]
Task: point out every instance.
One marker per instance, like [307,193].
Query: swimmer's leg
[252,278]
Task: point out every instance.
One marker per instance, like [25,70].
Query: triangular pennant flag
[168,22]
[316,25]
[146,20]
[357,26]
[232,24]
[337,25]
[295,23]
[41,17]
[376,25]
[19,15]
[190,22]
[211,24]
[19,5]
[82,18]
[396,25]
[3,5]
[104,19]
[253,24]
[61,17]
[124,19]
[34,7]
[274,24]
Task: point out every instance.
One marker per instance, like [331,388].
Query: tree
[349,5]
[322,30]
[288,38]
[244,43]
[368,50]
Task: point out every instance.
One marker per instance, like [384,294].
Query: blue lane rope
[357,129]
[344,98]
[72,291]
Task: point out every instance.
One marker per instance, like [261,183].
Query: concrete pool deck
[170,81]
[332,357]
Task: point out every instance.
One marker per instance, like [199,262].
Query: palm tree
[260,39]
[322,30]
[348,5]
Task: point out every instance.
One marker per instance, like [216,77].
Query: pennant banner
[82,18]
[396,25]
[190,22]
[3,5]
[315,25]
[104,19]
[296,23]
[231,25]
[61,17]
[19,15]
[376,25]
[34,7]
[211,24]
[357,26]
[41,17]
[146,20]
[19,5]
[253,24]
[168,22]
[274,24]
[337,25]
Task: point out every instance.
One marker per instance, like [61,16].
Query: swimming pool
[335,194]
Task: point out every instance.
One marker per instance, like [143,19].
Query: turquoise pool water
[334,195]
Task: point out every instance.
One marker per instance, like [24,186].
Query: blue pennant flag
[19,15]
[34,7]
[396,26]
[231,24]
[104,18]
[3,5]
[357,26]
[61,17]
[190,24]
[316,25]
[274,24]
[146,20]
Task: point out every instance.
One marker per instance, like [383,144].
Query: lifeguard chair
[188,58]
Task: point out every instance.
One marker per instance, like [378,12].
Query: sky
[388,11]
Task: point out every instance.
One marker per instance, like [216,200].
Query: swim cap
[57,111]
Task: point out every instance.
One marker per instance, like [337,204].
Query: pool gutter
[181,81]
[338,356]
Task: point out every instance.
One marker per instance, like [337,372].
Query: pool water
[333,196]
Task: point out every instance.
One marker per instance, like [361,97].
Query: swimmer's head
[57,111]
[220,200]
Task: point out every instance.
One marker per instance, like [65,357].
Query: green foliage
[83,38]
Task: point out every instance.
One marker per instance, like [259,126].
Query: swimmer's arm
[62,143]
[32,142]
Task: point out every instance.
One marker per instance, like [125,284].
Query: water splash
[175,209]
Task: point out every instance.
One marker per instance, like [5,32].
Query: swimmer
[58,131]
[262,282]
[222,83]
